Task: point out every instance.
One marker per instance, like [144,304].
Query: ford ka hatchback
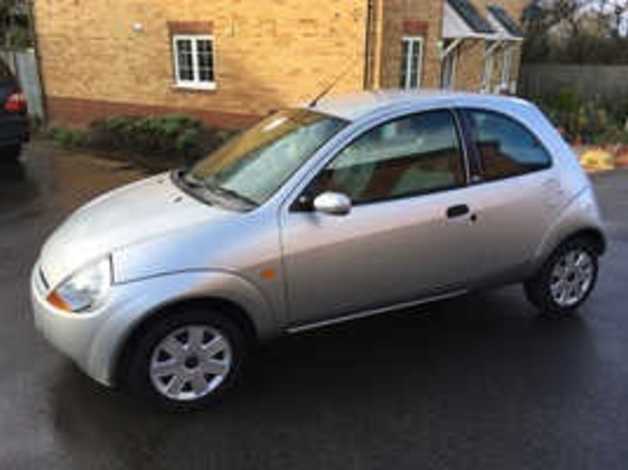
[350,207]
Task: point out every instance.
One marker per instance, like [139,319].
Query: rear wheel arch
[218,306]
[554,241]
[593,235]
[539,289]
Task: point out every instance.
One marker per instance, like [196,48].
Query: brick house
[229,61]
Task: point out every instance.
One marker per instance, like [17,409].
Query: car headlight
[85,289]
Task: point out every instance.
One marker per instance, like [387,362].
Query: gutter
[368,44]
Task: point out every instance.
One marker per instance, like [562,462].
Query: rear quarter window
[505,146]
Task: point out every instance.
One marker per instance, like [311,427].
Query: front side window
[412,155]
[411,62]
[194,61]
[256,163]
[506,148]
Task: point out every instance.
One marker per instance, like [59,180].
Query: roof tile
[471,16]
[505,20]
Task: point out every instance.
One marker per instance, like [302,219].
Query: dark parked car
[14,127]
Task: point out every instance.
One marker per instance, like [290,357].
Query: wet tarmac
[477,382]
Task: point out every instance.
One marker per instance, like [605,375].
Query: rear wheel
[187,360]
[566,280]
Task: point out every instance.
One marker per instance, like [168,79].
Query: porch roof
[504,23]
[462,20]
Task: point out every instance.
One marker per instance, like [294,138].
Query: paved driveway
[476,383]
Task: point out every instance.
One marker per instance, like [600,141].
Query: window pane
[506,147]
[410,63]
[405,52]
[184,59]
[447,79]
[506,64]
[412,155]
[487,75]
[205,54]
[258,161]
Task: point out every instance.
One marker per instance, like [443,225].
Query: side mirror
[332,203]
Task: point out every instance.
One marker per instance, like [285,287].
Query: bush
[612,135]
[68,137]
[155,135]
[155,141]
[592,121]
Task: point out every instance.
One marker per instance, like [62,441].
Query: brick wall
[397,20]
[470,65]
[413,18]
[268,54]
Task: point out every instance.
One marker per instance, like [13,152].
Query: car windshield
[255,164]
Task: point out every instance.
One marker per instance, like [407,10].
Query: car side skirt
[372,312]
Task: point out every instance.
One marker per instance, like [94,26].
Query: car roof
[358,105]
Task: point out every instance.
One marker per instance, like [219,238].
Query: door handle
[457,211]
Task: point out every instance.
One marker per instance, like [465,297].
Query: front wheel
[565,280]
[187,360]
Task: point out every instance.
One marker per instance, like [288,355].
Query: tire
[168,365]
[566,279]
[11,152]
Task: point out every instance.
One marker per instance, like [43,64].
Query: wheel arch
[218,305]
[594,235]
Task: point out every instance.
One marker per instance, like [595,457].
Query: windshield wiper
[192,182]
[232,194]
[192,185]
[189,179]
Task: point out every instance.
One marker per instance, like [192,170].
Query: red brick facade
[80,112]
[191,27]
[415,27]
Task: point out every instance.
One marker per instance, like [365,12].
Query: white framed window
[448,70]
[506,67]
[194,61]
[487,75]
[411,61]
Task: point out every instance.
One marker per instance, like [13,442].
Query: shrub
[68,137]
[148,135]
[157,142]
[612,135]
[591,121]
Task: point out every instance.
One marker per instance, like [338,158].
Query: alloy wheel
[572,277]
[190,362]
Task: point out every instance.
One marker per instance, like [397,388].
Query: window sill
[193,87]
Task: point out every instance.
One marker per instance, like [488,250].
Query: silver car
[349,207]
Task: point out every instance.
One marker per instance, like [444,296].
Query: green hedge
[163,141]
[588,121]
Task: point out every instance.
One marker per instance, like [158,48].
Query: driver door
[405,237]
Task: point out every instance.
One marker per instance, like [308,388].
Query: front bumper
[95,340]
[72,334]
